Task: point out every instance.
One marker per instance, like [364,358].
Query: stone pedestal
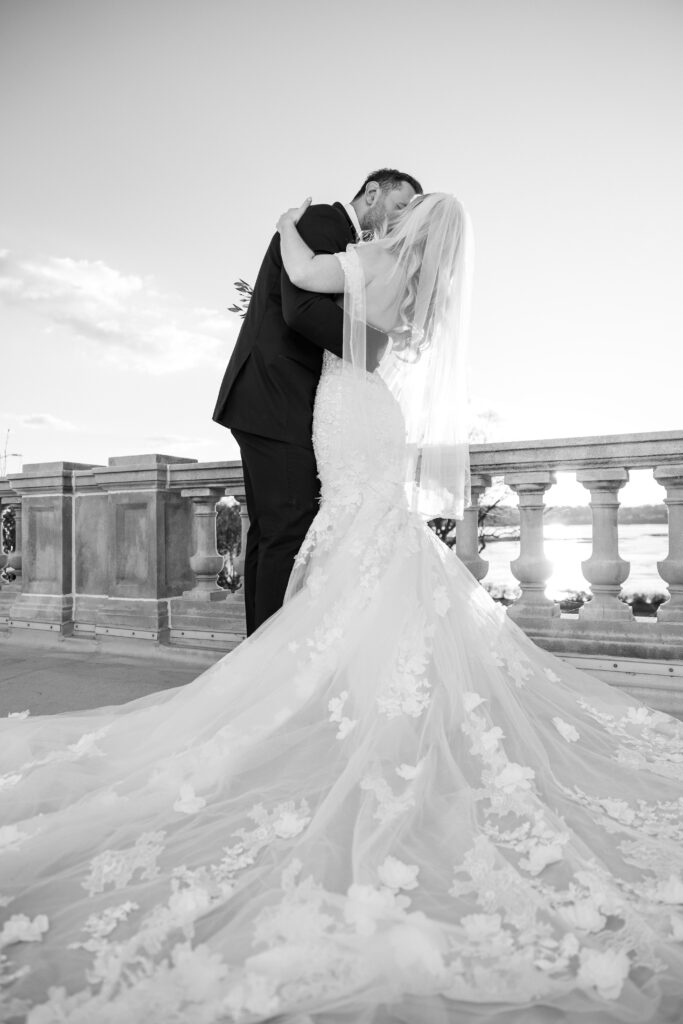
[671,568]
[532,568]
[216,624]
[142,546]
[91,554]
[605,570]
[46,555]
[467,531]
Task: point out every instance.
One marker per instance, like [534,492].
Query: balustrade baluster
[671,568]
[205,562]
[605,570]
[467,531]
[532,568]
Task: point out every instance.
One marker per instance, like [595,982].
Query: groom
[266,398]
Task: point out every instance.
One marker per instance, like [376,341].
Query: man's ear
[372,192]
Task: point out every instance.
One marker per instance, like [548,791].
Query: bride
[388,805]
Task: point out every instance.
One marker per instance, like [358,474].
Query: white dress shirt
[354,219]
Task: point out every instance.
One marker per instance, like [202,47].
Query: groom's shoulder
[332,212]
[326,221]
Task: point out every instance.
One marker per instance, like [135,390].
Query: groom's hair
[388,178]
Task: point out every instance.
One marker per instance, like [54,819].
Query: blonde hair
[423,241]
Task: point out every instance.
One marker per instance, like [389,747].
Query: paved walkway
[47,674]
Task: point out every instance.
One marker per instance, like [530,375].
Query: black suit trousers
[282,491]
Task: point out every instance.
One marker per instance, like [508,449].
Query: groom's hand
[294,215]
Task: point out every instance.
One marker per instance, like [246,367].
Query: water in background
[641,544]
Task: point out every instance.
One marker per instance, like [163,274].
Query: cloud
[44,419]
[124,317]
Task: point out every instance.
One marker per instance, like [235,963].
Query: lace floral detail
[406,688]
[411,771]
[508,655]
[321,650]
[663,820]
[390,805]
[299,963]
[593,902]
[317,943]
[85,746]
[285,821]
[131,980]
[568,732]
[506,783]
[20,928]
[117,867]
[651,741]
[394,874]
[336,709]
[103,924]
[495,884]
[518,924]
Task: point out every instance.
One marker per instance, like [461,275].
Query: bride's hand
[294,215]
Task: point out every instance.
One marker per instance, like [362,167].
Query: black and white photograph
[341,512]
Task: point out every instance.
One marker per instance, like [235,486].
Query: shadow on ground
[47,674]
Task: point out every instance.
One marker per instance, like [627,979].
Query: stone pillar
[671,568]
[147,545]
[532,568]
[206,563]
[605,570]
[46,554]
[91,550]
[467,531]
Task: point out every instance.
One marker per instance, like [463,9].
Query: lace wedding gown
[387,806]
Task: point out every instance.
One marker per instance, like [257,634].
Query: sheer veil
[424,285]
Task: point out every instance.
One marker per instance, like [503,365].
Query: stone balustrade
[129,549]
[643,656]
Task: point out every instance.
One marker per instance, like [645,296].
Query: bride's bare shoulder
[375,261]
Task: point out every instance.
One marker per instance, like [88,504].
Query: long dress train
[388,805]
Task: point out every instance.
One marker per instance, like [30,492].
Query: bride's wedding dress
[386,806]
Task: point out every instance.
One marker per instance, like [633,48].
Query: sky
[149,147]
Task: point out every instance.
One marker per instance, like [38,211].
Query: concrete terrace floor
[48,674]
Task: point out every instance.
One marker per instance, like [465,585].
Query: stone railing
[605,636]
[129,549]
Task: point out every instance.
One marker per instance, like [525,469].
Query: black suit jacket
[269,385]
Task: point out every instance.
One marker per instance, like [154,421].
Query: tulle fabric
[386,806]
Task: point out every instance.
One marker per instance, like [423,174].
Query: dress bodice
[358,436]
